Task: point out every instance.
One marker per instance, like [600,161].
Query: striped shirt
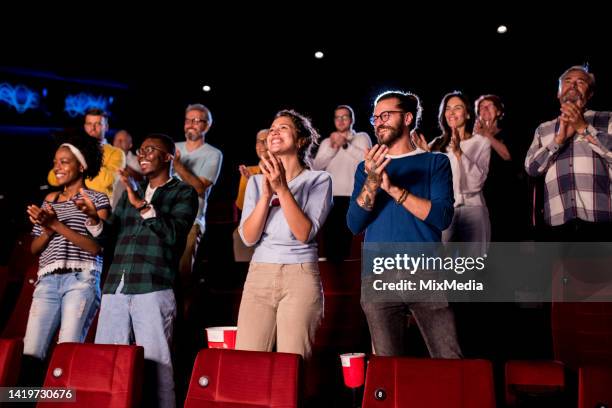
[578,174]
[60,253]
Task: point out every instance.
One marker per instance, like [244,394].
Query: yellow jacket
[242,186]
[113,160]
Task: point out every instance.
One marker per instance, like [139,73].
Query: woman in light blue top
[284,208]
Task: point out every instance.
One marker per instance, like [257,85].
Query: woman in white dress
[469,155]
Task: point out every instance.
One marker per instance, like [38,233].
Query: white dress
[471,219]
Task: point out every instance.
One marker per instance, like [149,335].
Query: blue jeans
[68,300]
[150,316]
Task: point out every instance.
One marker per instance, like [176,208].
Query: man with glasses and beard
[403,194]
[196,163]
[573,153]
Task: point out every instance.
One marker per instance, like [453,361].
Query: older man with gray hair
[572,151]
[197,163]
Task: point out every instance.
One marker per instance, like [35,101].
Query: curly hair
[88,146]
[307,135]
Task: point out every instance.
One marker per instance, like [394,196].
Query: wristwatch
[585,132]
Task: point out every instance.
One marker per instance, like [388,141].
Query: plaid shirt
[148,251]
[577,174]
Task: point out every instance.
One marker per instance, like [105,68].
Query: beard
[192,135]
[574,96]
[393,134]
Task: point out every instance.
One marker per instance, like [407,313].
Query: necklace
[68,198]
[294,177]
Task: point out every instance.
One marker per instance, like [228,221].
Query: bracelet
[91,222]
[403,197]
[144,205]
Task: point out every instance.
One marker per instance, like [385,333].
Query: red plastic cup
[353,369]
[222,337]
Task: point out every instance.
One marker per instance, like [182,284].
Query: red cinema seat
[534,379]
[433,383]
[21,258]
[102,375]
[17,323]
[244,379]
[10,361]
[344,325]
[582,333]
[595,386]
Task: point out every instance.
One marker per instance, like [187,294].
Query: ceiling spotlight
[319,54]
[206,88]
[502,29]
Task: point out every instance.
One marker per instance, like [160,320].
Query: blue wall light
[78,104]
[19,97]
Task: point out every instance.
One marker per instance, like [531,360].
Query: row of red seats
[111,376]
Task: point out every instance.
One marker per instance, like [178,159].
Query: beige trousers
[189,254]
[281,304]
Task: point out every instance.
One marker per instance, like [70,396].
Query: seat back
[10,361]
[595,386]
[533,379]
[102,375]
[344,325]
[18,320]
[582,333]
[236,378]
[411,382]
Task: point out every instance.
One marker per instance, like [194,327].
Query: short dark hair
[305,131]
[408,102]
[89,147]
[165,140]
[96,112]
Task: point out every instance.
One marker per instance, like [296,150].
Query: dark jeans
[388,327]
[577,230]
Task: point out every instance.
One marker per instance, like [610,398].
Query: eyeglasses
[384,116]
[147,150]
[342,117]
[194,121]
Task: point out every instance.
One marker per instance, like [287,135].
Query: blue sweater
[426,175]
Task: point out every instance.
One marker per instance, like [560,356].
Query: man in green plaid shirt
[149,226]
